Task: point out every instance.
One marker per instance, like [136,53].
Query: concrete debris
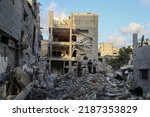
[24,92]
[38,94]
[89,87]
[27,69]
[40,85]
[103,68]
[20,77]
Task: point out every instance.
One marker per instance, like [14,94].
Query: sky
[118,19]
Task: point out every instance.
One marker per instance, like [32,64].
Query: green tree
[122,59]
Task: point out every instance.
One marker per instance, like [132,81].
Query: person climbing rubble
[90,66]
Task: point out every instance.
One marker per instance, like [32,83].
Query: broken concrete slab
[21,77]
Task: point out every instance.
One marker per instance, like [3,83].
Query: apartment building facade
[108,49]
[141,62]
[19,31]
[72,39]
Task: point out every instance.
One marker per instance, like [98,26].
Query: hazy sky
[118,19]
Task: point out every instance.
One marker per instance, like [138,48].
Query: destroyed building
[19,31]
[31,34]
[141,61]
[72,39]
[10,33]
[20,36]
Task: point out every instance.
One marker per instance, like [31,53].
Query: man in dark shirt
[90,66]
[94,66]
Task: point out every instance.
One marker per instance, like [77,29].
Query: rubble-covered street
[48,54]
[35,83]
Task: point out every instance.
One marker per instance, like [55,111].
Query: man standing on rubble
[90,66]
[94,66]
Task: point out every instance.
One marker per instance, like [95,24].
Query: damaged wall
[142,68]
[19,29]
[10,17]
[3,63]
[3,59]
[31,34]
[86,31]
[60,51]
[7,53]
[10,31]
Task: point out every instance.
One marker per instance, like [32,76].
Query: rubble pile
[35,83]
[89,87]
[24,80]
[103,68]
[38,88]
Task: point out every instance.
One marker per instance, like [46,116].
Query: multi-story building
[10,32]
[71,40]
[108,49]
[141,62]
[30,32]
[19,31]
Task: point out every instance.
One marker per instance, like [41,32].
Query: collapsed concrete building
[72,39]
[31,34]
[10,32]
[141,61]
[20,37]
[19,31]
